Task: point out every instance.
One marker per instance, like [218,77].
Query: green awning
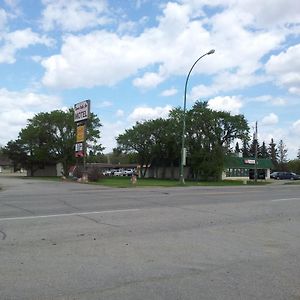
[232,162]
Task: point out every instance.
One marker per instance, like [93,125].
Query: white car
[118,173]
[107,173]
[128,172]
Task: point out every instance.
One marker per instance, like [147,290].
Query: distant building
[50,169]
[6,165]
[244,168]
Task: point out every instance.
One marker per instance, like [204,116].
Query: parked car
[273,175]
[107,173]
[129,172]
[287,175]
[119,172]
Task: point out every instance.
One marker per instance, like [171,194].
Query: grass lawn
[122,182]
[125,182]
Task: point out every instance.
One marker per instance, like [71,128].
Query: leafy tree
[138,139]
[17,153]
[298,154]
[154,142]
[50,137]
[167,143]
[209,136]
[294,165]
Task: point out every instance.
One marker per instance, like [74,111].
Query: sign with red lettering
[82,111]
[249,161]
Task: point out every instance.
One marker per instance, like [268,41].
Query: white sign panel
[78,147]
[249,161]
[82,111]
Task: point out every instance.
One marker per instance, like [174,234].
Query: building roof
[247,163]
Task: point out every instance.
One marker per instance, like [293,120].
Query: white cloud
[20,39]
[110,60]
[73,15]
[109,132]
[285,68]
[261,13]
[120,113]
[166,49]
[104,104]
[169,92]
[231,104]
[17,107]
[113,57]
[270,12]
[148,113]
[296,127]
[270,119]
[149,80]
[275,101]
[3,18]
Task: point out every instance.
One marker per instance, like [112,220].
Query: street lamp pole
[183,150]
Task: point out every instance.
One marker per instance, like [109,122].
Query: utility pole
[256,150]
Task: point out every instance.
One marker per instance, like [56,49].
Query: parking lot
[61,240]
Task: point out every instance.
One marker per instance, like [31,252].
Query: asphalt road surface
[63,240]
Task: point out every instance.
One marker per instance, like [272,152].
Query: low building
[244,168]
[6,165]
[50,169]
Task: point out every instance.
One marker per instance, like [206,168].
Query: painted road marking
[287,199]
[69,215]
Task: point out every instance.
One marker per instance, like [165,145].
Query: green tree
[209,136]
[237,148]
[282,156]
[245,149]
[252,148]
[263,151]
[50,137]
[17,153]
[273,153]
[294,165]
[140,140]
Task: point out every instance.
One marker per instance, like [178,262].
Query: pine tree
[273,153]
[263,153]
[237,148]
[282,152]
[245,149]
[252,148]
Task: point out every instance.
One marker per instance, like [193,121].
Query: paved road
[70,241]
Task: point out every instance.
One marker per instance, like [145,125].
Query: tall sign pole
[81,115]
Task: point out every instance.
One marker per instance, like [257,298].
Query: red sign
[79,154]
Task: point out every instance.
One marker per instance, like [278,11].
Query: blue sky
[131,59]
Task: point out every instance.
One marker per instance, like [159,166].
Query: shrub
[94,174]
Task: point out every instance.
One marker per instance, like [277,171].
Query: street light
[183,150]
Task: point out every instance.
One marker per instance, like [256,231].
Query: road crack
[20,208]
[3,235]
[97,221]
